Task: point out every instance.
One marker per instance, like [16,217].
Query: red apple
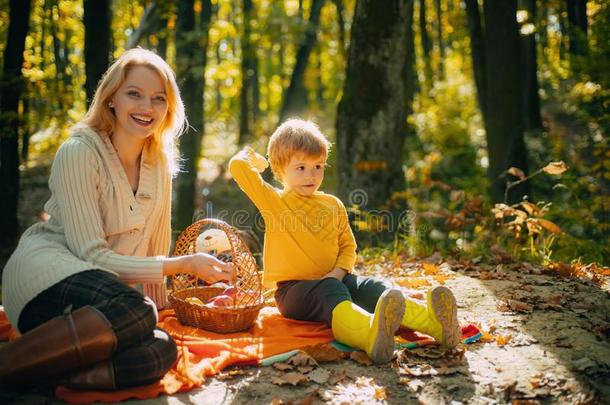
[230,291]
[222,301]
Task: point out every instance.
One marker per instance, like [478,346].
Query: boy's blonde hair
[101,118]
[295,137]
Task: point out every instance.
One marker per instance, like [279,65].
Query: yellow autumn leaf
[555,168]
[430,268]
[440,278]
[414,283]
[502,340]
[549,226]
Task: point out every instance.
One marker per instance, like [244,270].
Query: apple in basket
[222,301]
[249,297]
[230,291]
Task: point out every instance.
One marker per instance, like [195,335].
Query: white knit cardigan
[96,222]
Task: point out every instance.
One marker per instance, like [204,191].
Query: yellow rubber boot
[373,333]
[438,320]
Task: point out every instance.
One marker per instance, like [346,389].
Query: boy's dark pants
[314,300]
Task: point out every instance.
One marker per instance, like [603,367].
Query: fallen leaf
[289,378]
[361,357]
[305,369]
[336,377]
[520,306]
[503,340]
[410,282]
[414,385]
[440,278]
[302,359]
[324,353]
[319,375]
[282,366]
[416,295]
[430,268]
[308,400]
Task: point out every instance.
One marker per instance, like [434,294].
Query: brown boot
[100,376]
[63,344]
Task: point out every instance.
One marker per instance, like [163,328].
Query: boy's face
[304,174]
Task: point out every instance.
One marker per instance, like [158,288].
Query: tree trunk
[254,84]
[319,81]
[410,72]
[505,145]
[246,76]
[426,45]
[25,124]
[531,99]
[577,33]
[563,33]
[371,116]
[12,84]
[295,98]
[542,26]
[439,34]
[191,49]
[340,9]
[477,45]
[149,23]
[97,20]
[60,63]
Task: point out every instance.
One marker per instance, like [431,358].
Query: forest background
[462,127]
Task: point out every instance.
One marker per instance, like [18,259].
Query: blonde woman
[66,287]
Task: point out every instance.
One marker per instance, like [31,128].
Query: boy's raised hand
[257,160]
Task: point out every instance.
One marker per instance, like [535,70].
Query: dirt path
[547,341]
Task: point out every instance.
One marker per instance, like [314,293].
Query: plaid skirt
[144,353]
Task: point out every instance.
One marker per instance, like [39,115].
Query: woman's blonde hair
[294,137]
[101,118]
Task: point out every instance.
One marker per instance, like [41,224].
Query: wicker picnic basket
[247,280]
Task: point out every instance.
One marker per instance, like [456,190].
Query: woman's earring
[110,104]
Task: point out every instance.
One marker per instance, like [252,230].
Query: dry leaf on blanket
[289,378]
[305,369]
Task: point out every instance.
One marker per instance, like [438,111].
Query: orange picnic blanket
[202,353]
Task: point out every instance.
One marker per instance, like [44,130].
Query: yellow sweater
[305,237]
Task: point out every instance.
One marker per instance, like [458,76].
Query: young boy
[310,251]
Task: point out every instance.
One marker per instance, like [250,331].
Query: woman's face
[140,104]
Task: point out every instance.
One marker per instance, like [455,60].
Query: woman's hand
[210,269]
[202,265]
